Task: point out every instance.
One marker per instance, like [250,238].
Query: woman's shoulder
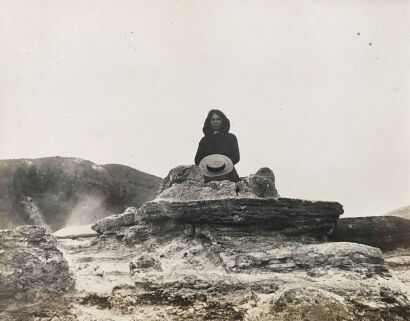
[231,136]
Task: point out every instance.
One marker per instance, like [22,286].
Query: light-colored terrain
[107,290]
[207,251]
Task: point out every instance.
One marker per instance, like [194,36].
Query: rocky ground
[224,279]
[35,279]
[165,262]
[398,261]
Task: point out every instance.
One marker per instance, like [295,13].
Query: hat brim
[226,170]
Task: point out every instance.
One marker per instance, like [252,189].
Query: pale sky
[318,91]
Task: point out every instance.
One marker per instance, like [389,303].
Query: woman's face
[216,122]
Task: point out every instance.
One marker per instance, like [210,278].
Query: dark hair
[225,126]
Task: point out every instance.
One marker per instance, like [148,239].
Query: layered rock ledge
[384,232]
[289,216]
[185,201]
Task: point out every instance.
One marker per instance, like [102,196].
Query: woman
[218,140]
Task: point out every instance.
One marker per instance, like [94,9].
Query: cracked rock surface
[34,276]
[222,251]
[218,277]
[184,201]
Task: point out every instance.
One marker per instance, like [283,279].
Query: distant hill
[403,212]
[59,191]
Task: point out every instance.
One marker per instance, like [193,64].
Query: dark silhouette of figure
[218,140]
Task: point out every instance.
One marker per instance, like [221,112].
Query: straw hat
[215,165]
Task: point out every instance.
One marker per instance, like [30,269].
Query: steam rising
[34,213]
[89,209]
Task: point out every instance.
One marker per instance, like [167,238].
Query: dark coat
[220,143]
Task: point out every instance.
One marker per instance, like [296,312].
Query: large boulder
[384,232]
[34,276]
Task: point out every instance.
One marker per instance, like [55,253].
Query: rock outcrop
[289,216]
[389,233]
[34,276]
[235,277]
[185,202]
[223,251]
[187,183]
[228,251]
[56,191]
[385,232]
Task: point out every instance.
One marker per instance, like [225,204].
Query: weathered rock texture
[34,276]
[186,202]
[289,216]
[384,232]
[56,191]
[250,277]
[116,222]
[389,233]
[187,183]
[263,183]
[226,251]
